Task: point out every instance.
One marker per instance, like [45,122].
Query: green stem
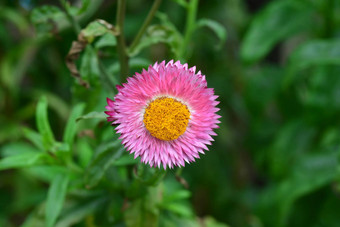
[121,47]
[146,23]
[189,28]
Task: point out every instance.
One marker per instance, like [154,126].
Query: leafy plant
[274,64]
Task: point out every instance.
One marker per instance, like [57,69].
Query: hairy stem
[121,47]
[146,23]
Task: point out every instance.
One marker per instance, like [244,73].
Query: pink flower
[166,115]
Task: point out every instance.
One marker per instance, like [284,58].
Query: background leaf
[313,53]
[216,27]
[276,22]
[21,160]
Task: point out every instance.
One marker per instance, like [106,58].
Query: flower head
[166,115]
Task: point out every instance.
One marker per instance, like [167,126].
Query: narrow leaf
[43,124]
[126,160]
[93,115]
[78,212]
[17,148]
[55,198]
[21,161]
[34,138]
[104,158]
[71,126]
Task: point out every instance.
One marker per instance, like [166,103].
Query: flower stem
[146,23]
[121,47]
[189,28]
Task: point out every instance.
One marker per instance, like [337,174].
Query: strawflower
[166,115]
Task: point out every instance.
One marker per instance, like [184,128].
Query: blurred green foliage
[274,64]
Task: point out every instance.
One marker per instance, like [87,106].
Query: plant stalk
[189,28]
[146,23]
[121,47]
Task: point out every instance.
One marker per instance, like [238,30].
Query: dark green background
[277,74]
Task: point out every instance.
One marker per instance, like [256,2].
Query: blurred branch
[121,47]
[146,23]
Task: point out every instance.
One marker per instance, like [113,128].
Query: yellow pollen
[166,118]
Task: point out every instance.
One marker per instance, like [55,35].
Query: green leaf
[89,69]
[216,27]
[21,160]
[35,218]
[97,28]
[164,33]
[44,13]
[43,124]
[182,209]
[144,212]
[14,64]
[47,18]
[84,6]
[277,21]
[47,172]
[55,198]
[211,222]
[79,211]
[182,3]
[93,115]
[17,148]
[84,152]
[126,160]
[107,40]
[15,17]
[71,126]
[312,172]
[292,140]
[92,70]
[177,195]
[316,52]
[34,137]
[74,10]
[55,103]
[105,156]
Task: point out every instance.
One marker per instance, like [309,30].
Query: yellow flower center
[166,118]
